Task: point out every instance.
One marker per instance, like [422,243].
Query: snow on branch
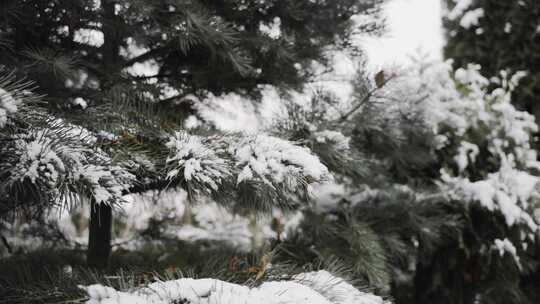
[307,288]
[197,161]
[106,183]
[41,158]
[274,172]
[260,169]
[276,161]
[8,105]
[58,163]
[13,93]
[333,138]
[506,246]
[459,8]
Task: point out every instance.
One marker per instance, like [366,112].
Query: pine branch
[366,98]
[48,61]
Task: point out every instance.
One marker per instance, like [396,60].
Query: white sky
[413,27]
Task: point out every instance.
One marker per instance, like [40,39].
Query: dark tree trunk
[99,237]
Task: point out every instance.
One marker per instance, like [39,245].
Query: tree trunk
[99,237]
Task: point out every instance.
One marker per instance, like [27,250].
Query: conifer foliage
[94,95]
[421,183]
[498,35]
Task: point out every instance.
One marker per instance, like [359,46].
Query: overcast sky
[413,26]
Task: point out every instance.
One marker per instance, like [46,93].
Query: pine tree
[113,81]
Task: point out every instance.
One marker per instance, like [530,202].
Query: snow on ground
[307,288]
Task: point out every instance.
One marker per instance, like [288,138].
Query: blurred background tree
[503,38]
[500,36]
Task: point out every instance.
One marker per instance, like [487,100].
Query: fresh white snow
[196,161]
[91,37]
[273,29]
[471,18]
[276,161]
[308,288]
[8,106]
[461,108]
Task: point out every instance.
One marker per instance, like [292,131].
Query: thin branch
[6,243]
[366,98]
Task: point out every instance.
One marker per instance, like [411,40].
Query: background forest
[194,151]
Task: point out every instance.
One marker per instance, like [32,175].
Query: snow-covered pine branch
[260,172]
[313,122]
[8,106]
[274,172]
[275,161]
[319,287]
[104,182]
[198,162]
[13,93]
[57,164]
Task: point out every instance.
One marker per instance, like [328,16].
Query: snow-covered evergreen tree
[115,81]
[265,152]
[113,86]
